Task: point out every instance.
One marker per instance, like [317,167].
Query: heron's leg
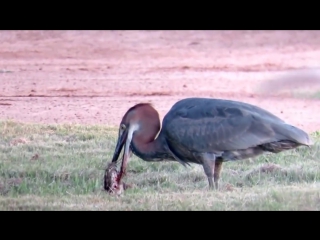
[217,170]
[208,166]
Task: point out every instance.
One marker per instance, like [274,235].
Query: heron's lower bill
[124,164]
[113,177]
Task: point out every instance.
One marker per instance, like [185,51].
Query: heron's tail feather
[279,146]
[294,134]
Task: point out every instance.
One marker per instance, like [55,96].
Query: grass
[306,95]
[316,95]
[61,167]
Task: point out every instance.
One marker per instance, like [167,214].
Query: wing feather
[213,126]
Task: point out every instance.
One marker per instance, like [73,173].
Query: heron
[204,131]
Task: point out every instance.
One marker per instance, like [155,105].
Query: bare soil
[93,77]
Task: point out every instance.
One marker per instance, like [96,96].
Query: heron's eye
[122,127]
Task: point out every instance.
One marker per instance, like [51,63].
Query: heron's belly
[242,154]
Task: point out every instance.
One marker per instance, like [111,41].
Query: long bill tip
[310,143]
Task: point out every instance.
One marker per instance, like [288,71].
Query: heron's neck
[149,151]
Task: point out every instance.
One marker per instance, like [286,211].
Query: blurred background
[93,77]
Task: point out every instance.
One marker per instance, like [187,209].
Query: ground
[93,77]
[53,78]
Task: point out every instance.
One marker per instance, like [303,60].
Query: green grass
[68,174]
[316,95]
[306,94]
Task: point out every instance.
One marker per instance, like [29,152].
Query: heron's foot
[213,186]
[216,186]
[213,189]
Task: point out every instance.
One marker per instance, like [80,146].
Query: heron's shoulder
[197,108]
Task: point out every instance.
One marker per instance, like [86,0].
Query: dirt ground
[93,77]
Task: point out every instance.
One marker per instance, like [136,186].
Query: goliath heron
[204,131]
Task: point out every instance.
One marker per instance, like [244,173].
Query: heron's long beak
[121,140]
[124,140]
[126,155]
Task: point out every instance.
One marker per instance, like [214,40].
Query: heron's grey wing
[216,125]
[219,107]
[214,134]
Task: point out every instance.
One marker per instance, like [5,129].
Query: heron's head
[142,122]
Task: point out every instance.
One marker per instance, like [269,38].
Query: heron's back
[212,103]
[205,125]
